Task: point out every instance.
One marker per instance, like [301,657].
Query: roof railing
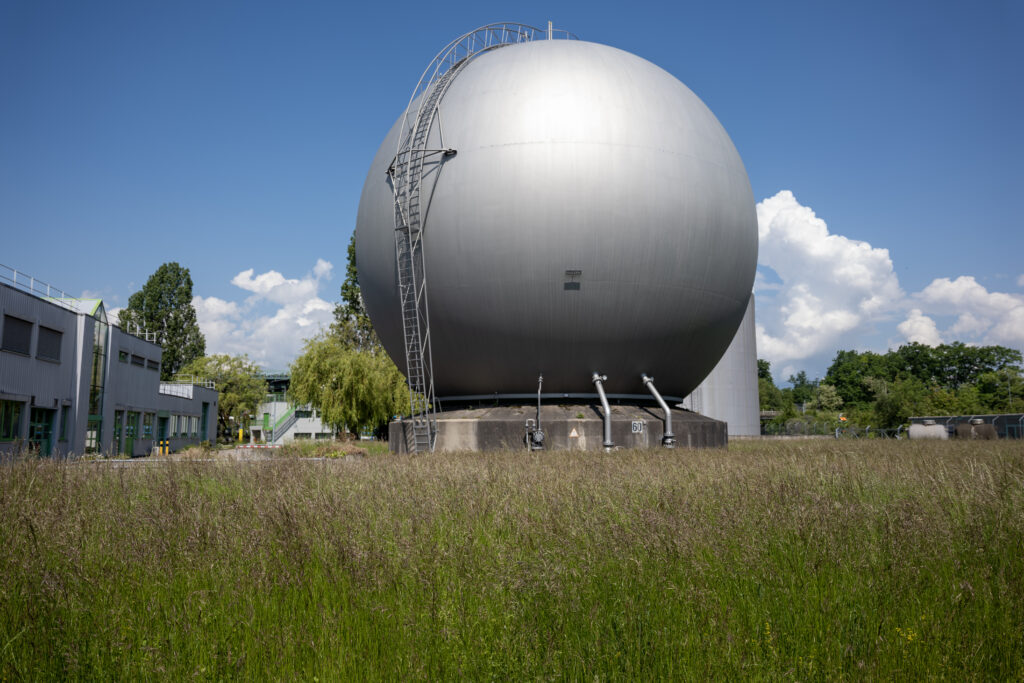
[76,304]
[37,287]
[138,331]
[191,379]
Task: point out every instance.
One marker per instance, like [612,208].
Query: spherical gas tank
[595,217]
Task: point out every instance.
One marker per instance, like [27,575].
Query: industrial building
[279,421]
[72,383]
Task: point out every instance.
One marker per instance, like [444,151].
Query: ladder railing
[406,173]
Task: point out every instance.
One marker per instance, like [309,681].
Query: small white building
[279,421]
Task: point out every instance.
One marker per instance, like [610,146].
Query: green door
[40,430]
[118,428]
[131,430]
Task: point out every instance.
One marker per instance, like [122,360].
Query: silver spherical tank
[595,217]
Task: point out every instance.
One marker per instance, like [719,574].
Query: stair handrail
[405,173]
[503,33]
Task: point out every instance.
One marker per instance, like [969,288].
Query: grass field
[774,560]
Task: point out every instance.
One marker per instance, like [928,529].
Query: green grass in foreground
[780,560]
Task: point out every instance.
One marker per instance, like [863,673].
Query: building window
[172,427]
[195,427]
[17,335]
[138,360]
[99,365]
[48,344]
[322,436]
[300,436]
[152,364]
[147,425]
[64,422]
[299,414]
[122,356]
[92,435]
[10,420]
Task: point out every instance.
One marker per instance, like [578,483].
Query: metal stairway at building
[283,425]
[406,173]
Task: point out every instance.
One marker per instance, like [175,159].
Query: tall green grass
[781,560]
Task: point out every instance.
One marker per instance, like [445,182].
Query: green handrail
[283,418]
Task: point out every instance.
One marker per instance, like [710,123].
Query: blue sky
[234,138]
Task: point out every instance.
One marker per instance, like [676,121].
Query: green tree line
[886,389]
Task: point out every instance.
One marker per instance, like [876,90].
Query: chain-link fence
[798,427]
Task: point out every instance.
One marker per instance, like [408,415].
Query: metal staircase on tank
[406,174]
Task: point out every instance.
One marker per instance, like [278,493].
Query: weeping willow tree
[353,389]
[344,373]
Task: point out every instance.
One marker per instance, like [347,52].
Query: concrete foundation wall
[566,427]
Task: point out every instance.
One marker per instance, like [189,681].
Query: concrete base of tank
[572,427]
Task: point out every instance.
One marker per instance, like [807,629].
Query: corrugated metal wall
[48,382]
[63,385]
[35,382]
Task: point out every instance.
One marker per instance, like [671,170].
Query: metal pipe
[597,379]
[669,439]
[537,437]
[540,383]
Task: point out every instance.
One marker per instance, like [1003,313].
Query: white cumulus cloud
[920,328]
[832,287]
[819,292]
[982,316]
[271,324]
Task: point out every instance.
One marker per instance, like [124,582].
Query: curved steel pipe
[669,439]
[597,380]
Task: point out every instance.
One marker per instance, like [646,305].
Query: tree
[769,396]
[164,307]
[803,389]
[1002,391]
[827,398]
[764,369]
[895,403]
[345,374]
[351,321]
[240,386]
[849,370]
[352,389]
[918,360]
[962,364]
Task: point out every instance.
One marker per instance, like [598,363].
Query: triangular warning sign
[573,434]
